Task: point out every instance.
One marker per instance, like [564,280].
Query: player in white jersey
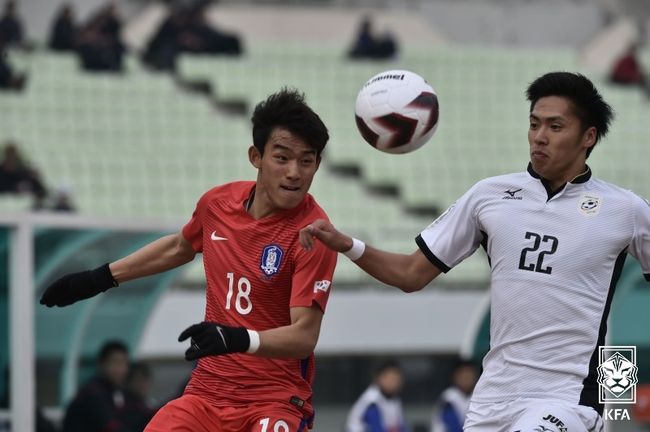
[556,238]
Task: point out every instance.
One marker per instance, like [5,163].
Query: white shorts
[532,415]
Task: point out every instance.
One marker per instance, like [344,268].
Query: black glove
[78,286]
[209,338]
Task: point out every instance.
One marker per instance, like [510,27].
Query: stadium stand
[137,145]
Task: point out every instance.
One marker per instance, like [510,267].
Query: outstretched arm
[406,272]
[163,254]
[158,256]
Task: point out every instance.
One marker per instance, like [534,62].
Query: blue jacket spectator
[451,408]
[379,408]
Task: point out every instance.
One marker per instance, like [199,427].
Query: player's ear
[318,162]
[589,137]
[255,157]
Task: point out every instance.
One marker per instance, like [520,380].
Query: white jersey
[555,260]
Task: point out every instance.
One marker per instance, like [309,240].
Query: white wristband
[357,249]
[255,341]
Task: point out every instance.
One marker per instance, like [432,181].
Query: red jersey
[256,271]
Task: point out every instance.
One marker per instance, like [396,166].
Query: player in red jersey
[265,294]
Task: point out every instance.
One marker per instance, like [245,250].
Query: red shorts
[191,413]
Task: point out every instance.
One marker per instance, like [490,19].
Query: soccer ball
[396,111]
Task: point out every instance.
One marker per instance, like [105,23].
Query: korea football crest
[271,259]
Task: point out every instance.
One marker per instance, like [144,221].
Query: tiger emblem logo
[617,374]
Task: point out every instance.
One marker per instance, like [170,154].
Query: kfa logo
[271,259]
[617,374]
[512,194]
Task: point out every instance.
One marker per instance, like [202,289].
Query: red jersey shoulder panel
[229,193]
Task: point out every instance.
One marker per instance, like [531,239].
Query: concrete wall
[516,23]
[363,321]
[526,24]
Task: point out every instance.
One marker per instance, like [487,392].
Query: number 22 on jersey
[538,266]
[242,301]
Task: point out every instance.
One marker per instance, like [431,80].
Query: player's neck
[569,176]
[258,207]
[559,179]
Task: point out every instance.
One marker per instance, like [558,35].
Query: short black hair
[590,107]
[386,364]
[110,347]
[461,362]
[287,109]
[139,368]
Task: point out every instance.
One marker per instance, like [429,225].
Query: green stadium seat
[137,145]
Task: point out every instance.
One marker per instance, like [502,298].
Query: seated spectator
[11,28]
[164,46]
[99,405]
[16,176]
[201,36]
[188,30]
[9,79]
[628,70]
[99,44]
[63,32]
[379,408]
[369,46]
[139,408]
[43,424]
[62,200]
[451,408]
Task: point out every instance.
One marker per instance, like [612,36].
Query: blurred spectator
[99,405]
[164,46]
[63,32]
[451,409]
[202,36]
[99,44]
[16,176]
[379,408]
[11,28]
[188,30]
[138,409]
[62,200]
[42,423]
[369,46]
[9,79]
[628,70]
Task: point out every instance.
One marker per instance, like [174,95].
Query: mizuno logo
[511,194]
[215,237]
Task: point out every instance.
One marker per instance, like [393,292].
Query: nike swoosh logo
[214,236]
[223,338]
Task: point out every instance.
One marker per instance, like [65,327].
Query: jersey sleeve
[312,278]
[193,230]
[640,245]
[454,236]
